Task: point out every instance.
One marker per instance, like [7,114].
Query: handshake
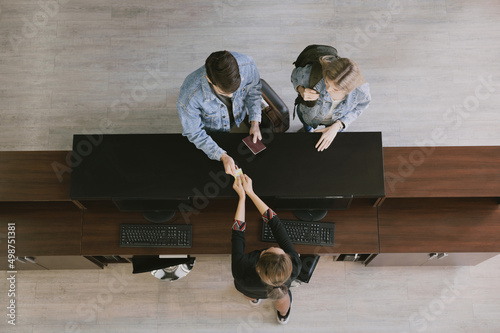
[243,185]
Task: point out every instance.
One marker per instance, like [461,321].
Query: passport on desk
[254,147]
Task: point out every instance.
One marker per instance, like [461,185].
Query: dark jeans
[307,128]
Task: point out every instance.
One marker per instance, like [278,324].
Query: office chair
[310,215]
[275,114]
[309,262]
[158,216]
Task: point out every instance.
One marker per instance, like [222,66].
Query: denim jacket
[347,111]
[200,111]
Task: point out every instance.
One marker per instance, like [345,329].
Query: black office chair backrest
[276,117]
[309,262]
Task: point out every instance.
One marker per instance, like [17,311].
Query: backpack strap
[311,55]
[314,78]
[316,74]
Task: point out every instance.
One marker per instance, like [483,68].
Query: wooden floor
[115,66]
[341,297]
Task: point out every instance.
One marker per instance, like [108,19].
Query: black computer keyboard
[156,235]
[303,232]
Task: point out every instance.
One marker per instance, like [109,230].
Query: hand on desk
[329,133]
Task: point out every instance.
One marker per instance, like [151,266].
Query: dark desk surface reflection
[168,166]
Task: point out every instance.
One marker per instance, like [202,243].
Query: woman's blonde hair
[343,72]
[274,270]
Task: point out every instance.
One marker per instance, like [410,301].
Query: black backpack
[311,55]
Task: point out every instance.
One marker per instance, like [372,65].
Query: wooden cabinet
[19,264]
[47,233]
[457,259]
[49,262]
[437,231]
[428,259]
[425,225]
[438,200]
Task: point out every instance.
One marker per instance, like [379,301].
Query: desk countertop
[164,166]
[425,172]
[34,176]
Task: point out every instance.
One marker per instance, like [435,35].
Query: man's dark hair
[222,70]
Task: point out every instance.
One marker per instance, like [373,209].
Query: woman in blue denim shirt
[341,96]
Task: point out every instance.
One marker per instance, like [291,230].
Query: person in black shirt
[264,273]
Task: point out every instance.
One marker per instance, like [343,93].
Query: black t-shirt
[228,102]
[246,279]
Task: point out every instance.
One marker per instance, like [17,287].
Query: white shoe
[255,302]
[284,319]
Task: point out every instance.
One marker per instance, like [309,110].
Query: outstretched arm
[193,129]
[240,210]
[238,261]
[247,185]
[229,166]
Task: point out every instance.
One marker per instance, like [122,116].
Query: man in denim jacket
[218,96]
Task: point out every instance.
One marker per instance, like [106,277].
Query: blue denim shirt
[347,111]
[201,111]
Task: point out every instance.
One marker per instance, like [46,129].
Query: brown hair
[274,270]
[223,71]
[343,72]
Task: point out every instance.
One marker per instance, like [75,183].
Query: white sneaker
[255,302]
[284,319]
